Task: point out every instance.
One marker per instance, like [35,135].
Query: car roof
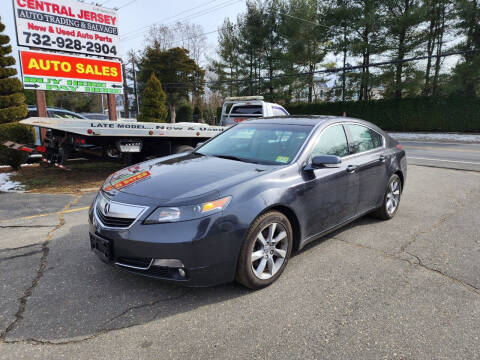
[314,120]
[311,120]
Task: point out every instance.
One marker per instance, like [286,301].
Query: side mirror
[331,161]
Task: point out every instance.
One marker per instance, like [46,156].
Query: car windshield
[269,144]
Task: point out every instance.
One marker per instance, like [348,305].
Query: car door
[367,148]
[330,192]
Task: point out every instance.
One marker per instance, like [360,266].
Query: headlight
[183,213]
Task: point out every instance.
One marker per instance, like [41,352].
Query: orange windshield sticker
[128,181]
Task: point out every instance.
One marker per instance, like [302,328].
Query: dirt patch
[84,175]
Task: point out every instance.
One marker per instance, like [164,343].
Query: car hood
[182,177]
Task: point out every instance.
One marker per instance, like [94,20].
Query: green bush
[184,113]
[18,133]
[442,114]
[153,107]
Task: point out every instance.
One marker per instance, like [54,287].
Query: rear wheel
[391,199]
[266,250]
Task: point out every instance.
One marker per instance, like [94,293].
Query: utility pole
[135,83]
[125,93]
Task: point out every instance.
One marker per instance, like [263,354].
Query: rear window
[247,110]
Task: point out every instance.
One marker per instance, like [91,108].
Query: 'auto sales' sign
[50,71]
[67,25]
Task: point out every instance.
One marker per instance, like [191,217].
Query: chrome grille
[114,221]
[112,214]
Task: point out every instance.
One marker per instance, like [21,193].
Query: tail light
[400,147]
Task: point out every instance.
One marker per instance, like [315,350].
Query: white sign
[67,25]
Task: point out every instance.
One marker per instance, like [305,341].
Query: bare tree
[182,34]
[192,38]
[160,37]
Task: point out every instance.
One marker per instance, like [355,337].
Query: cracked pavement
[406,288]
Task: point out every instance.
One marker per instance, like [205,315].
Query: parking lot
[406,288]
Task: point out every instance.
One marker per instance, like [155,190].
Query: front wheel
[266,250]
[391,199]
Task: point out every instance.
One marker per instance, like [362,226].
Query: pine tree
[180,74]
[403,21]
[466,73]
[153,107]
[12,100]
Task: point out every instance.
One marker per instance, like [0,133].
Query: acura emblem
[106,208]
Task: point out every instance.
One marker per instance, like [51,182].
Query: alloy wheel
[393,196]
[269,251]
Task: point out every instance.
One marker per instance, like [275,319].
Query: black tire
[245,274]
[182,148]
[382,212]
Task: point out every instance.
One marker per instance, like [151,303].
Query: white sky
[140,14]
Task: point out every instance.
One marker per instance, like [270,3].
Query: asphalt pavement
[408,288]
[443,154]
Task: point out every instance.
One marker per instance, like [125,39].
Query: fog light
[181,272]
[175,263]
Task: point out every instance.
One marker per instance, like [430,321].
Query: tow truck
[132,141]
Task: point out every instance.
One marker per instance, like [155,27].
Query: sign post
[112,107]
[41,103]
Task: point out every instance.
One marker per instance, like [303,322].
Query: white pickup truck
[238,109]
[134,141]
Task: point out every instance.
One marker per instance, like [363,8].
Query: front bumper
[207,247]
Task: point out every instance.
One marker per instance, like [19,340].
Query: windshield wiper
[230,157]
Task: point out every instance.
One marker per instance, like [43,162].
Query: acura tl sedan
[236,207]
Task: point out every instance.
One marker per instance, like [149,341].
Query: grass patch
[83,175]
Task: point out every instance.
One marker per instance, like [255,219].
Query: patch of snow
[452,137]
[7,185]
[23,165]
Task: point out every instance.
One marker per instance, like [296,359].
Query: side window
[332,141]
[278,111]
[363,138]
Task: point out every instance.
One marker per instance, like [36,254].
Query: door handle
[382,158]
[351,168]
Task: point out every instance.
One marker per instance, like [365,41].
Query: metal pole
[135,83]
[125,93]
